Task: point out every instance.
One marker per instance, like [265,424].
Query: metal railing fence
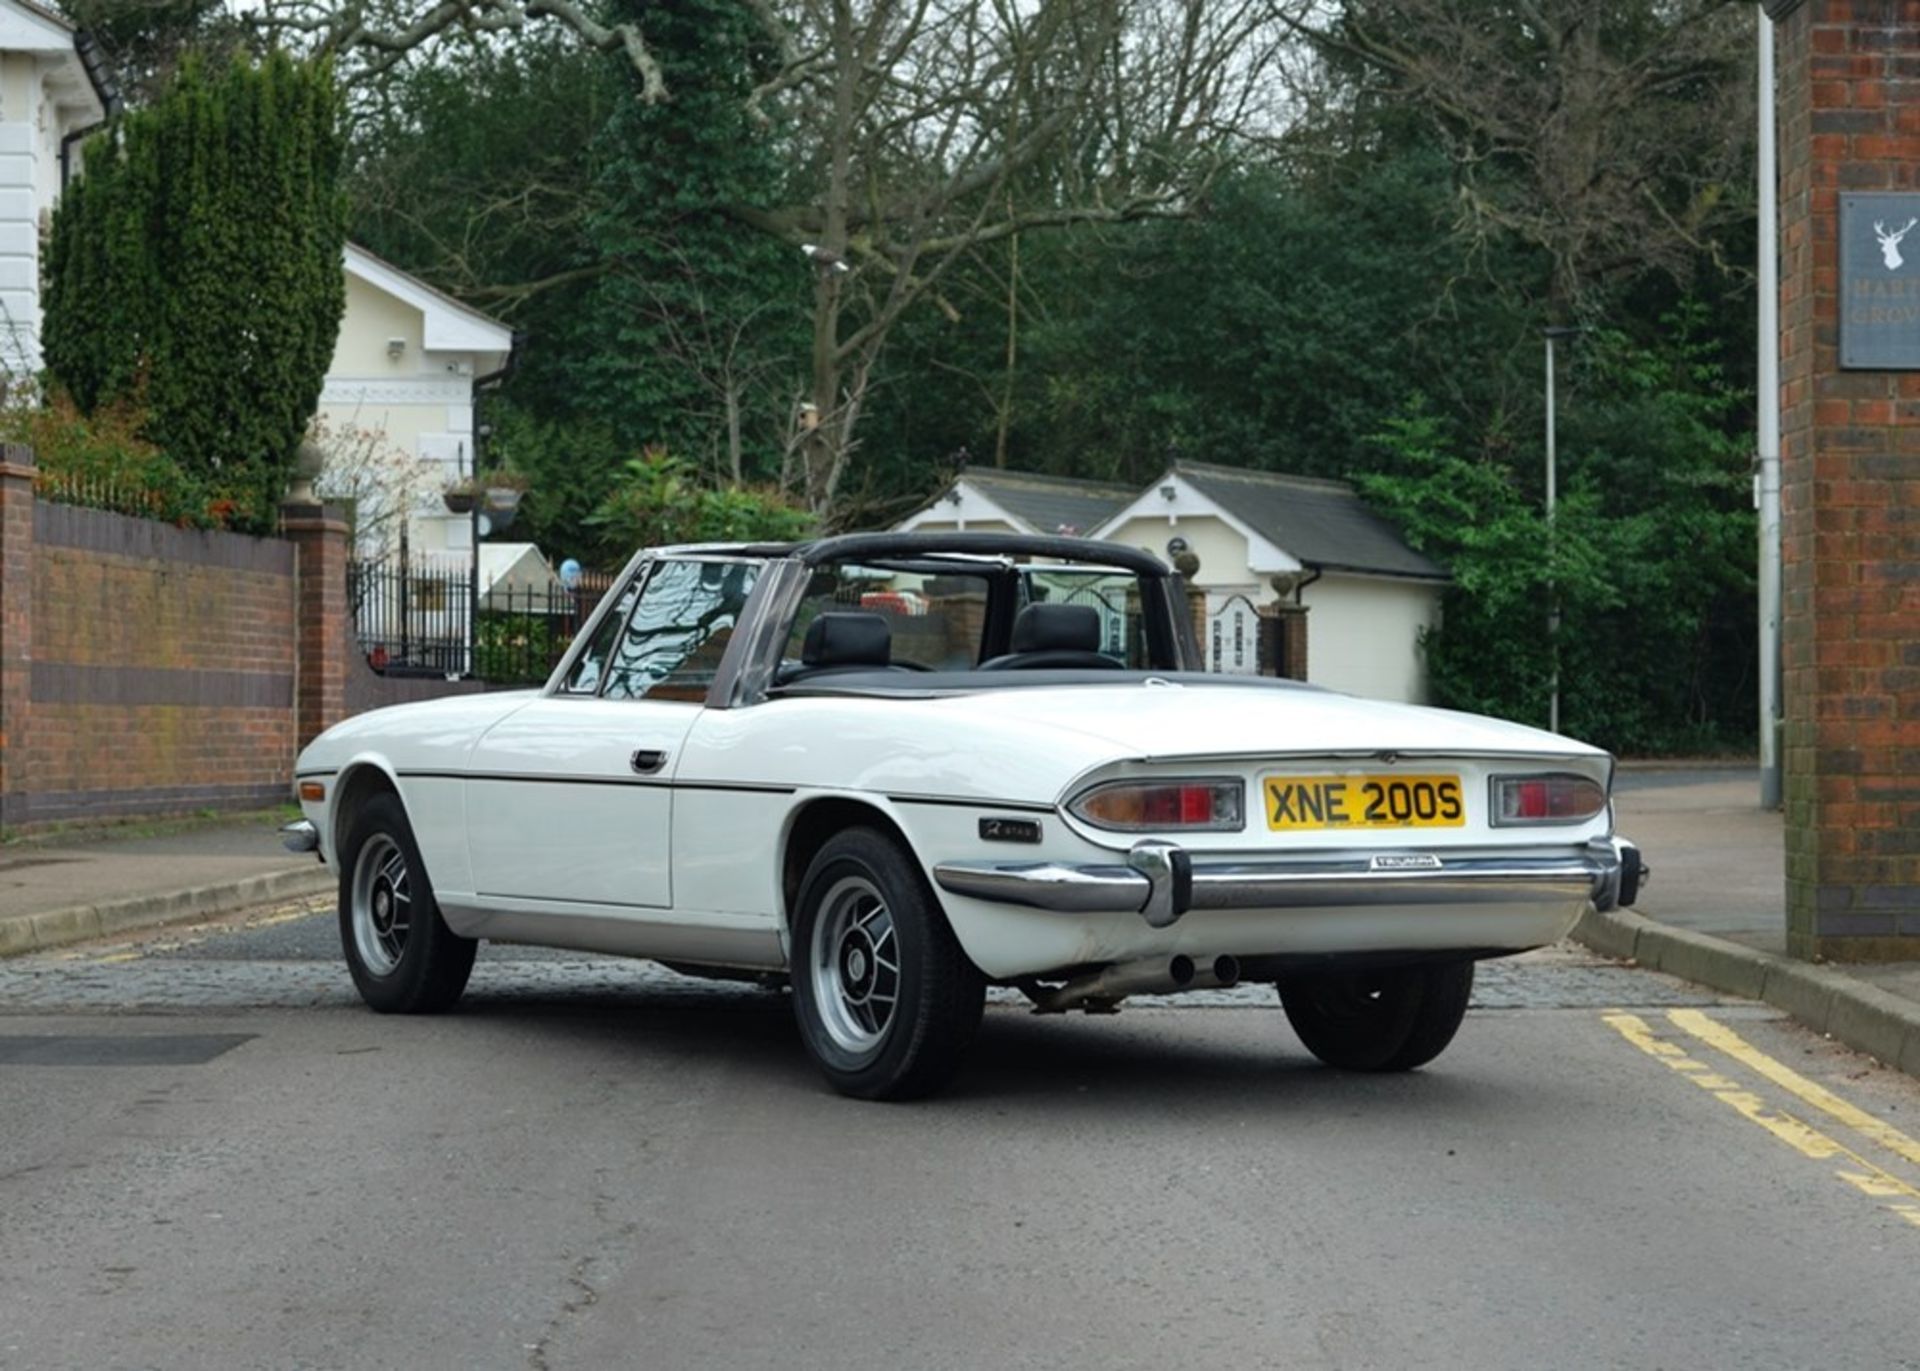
[411,618]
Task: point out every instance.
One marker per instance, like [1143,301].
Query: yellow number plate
[1301,802]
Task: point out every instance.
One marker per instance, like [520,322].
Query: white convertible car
[900,768]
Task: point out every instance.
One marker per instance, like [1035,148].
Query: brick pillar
[319,535]
[1187,563]
[962,614]
[16,626]
[1290,626]
[1849,123]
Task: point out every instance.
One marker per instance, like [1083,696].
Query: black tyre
[886,1000]
[403,957]
[1379,1020]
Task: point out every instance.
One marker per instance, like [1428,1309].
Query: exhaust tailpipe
[1226,970]
[1106,987]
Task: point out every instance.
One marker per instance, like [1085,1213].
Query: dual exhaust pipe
[1104,989]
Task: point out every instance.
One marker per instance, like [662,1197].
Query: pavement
[1713,913]
[70,889]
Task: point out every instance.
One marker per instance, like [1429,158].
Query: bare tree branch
[1607,138]
[371,37]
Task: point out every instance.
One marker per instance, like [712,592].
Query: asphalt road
[211,1157]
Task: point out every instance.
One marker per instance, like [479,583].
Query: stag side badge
[1403,861]
[1880,282]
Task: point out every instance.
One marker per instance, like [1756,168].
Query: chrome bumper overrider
[1160,881]
[300,836]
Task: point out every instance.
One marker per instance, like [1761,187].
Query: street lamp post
[1767,456]
[473,564]
[1553,333]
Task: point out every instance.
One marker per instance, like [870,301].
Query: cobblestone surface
[288,958]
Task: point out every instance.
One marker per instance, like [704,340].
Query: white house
[1368,595]
[1257,535]
[53,90]
[404,369]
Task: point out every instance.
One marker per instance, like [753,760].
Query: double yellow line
[1898,1196]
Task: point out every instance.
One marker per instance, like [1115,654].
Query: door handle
[648,760]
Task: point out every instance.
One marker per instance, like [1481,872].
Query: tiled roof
[1050,504]
[1324,524]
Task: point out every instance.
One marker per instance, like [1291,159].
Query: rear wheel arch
[812,826]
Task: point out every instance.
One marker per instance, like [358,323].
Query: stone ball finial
[308,461]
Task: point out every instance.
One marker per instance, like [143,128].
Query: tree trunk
[734,458]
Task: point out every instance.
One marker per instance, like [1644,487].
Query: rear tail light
[1156,806]
[1557,798]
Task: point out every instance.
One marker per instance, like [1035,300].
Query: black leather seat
[845,640]
[1047,635]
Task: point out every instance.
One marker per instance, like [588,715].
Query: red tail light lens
[1156,806]
[1557,798]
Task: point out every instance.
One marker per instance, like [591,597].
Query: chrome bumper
[1160,881]
[300,836]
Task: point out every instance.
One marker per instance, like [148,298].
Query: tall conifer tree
[195,272]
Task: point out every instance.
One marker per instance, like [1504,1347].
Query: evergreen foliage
[1650,555]
[1274,330]
[1361,298]
[700,305]
[531,179]
[194,273]
[660,499]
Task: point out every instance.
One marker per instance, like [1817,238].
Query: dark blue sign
[1880,282]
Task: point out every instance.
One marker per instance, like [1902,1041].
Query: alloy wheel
[855,961]
[382,904]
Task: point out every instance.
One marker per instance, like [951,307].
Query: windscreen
[1007,618]
[1113,596]
[933,622]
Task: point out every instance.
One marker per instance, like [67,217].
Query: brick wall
[1849,120]
[150,670]
[16,616]
[163,666]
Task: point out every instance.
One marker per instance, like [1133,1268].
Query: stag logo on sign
[1890,243]
[1879,285]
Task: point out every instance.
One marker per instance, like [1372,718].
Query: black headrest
[1057,628]
[848,639]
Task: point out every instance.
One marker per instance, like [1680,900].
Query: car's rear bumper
[1161,882]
